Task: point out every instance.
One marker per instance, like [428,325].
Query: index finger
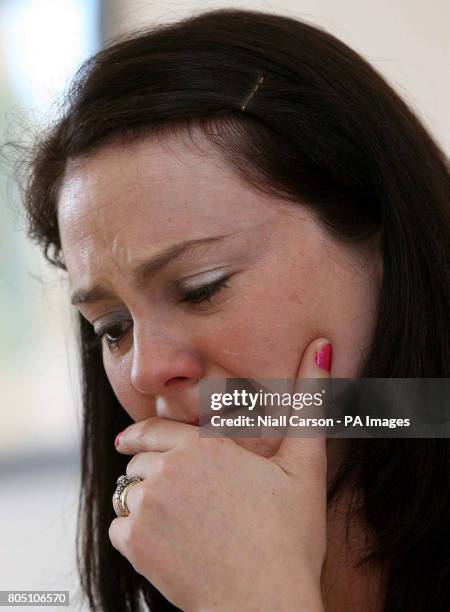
[154,434]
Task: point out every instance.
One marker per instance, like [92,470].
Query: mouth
[242,404]
[243,384]
[240,384]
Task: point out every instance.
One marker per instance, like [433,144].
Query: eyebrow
[147,269]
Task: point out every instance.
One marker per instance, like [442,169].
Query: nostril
[176,379]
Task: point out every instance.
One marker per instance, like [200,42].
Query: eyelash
[197,295]
[205,292]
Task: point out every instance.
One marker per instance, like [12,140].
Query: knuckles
[140,493]
[167,466]
[131,466]
[214,447]
[175,467]
[130,536]
[142,430]
[142,436]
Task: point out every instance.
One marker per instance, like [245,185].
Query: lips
[175,409]
[172,410]
[241,384]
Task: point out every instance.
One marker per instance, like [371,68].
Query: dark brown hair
[323,128]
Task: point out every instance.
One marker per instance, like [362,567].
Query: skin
[258,516]
[289,282]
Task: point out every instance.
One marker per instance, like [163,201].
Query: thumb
[295,451]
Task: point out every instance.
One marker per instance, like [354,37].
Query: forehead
[151,194]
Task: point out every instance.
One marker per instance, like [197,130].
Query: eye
[113,334]
[204,293]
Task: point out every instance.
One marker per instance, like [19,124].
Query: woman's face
[126,217]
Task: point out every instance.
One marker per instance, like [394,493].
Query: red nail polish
[324,356]
[117,440]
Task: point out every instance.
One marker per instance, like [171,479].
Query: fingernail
[324,356]
[117,440]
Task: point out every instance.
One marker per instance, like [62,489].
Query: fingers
[316,361]
[148,441]
[132,495]
[295,451]
[154,434]
[145,465]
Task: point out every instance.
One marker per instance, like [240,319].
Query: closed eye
[113,332]
[204,293]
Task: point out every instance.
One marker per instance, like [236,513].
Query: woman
[324,203]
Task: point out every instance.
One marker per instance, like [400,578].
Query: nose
[162,363]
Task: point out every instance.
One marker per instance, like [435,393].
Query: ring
[124,483]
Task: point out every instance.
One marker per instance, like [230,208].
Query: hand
[216,527]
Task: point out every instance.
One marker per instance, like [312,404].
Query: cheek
[260,334]
[118,372]
[264,333]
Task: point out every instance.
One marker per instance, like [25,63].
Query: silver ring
[124,483]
